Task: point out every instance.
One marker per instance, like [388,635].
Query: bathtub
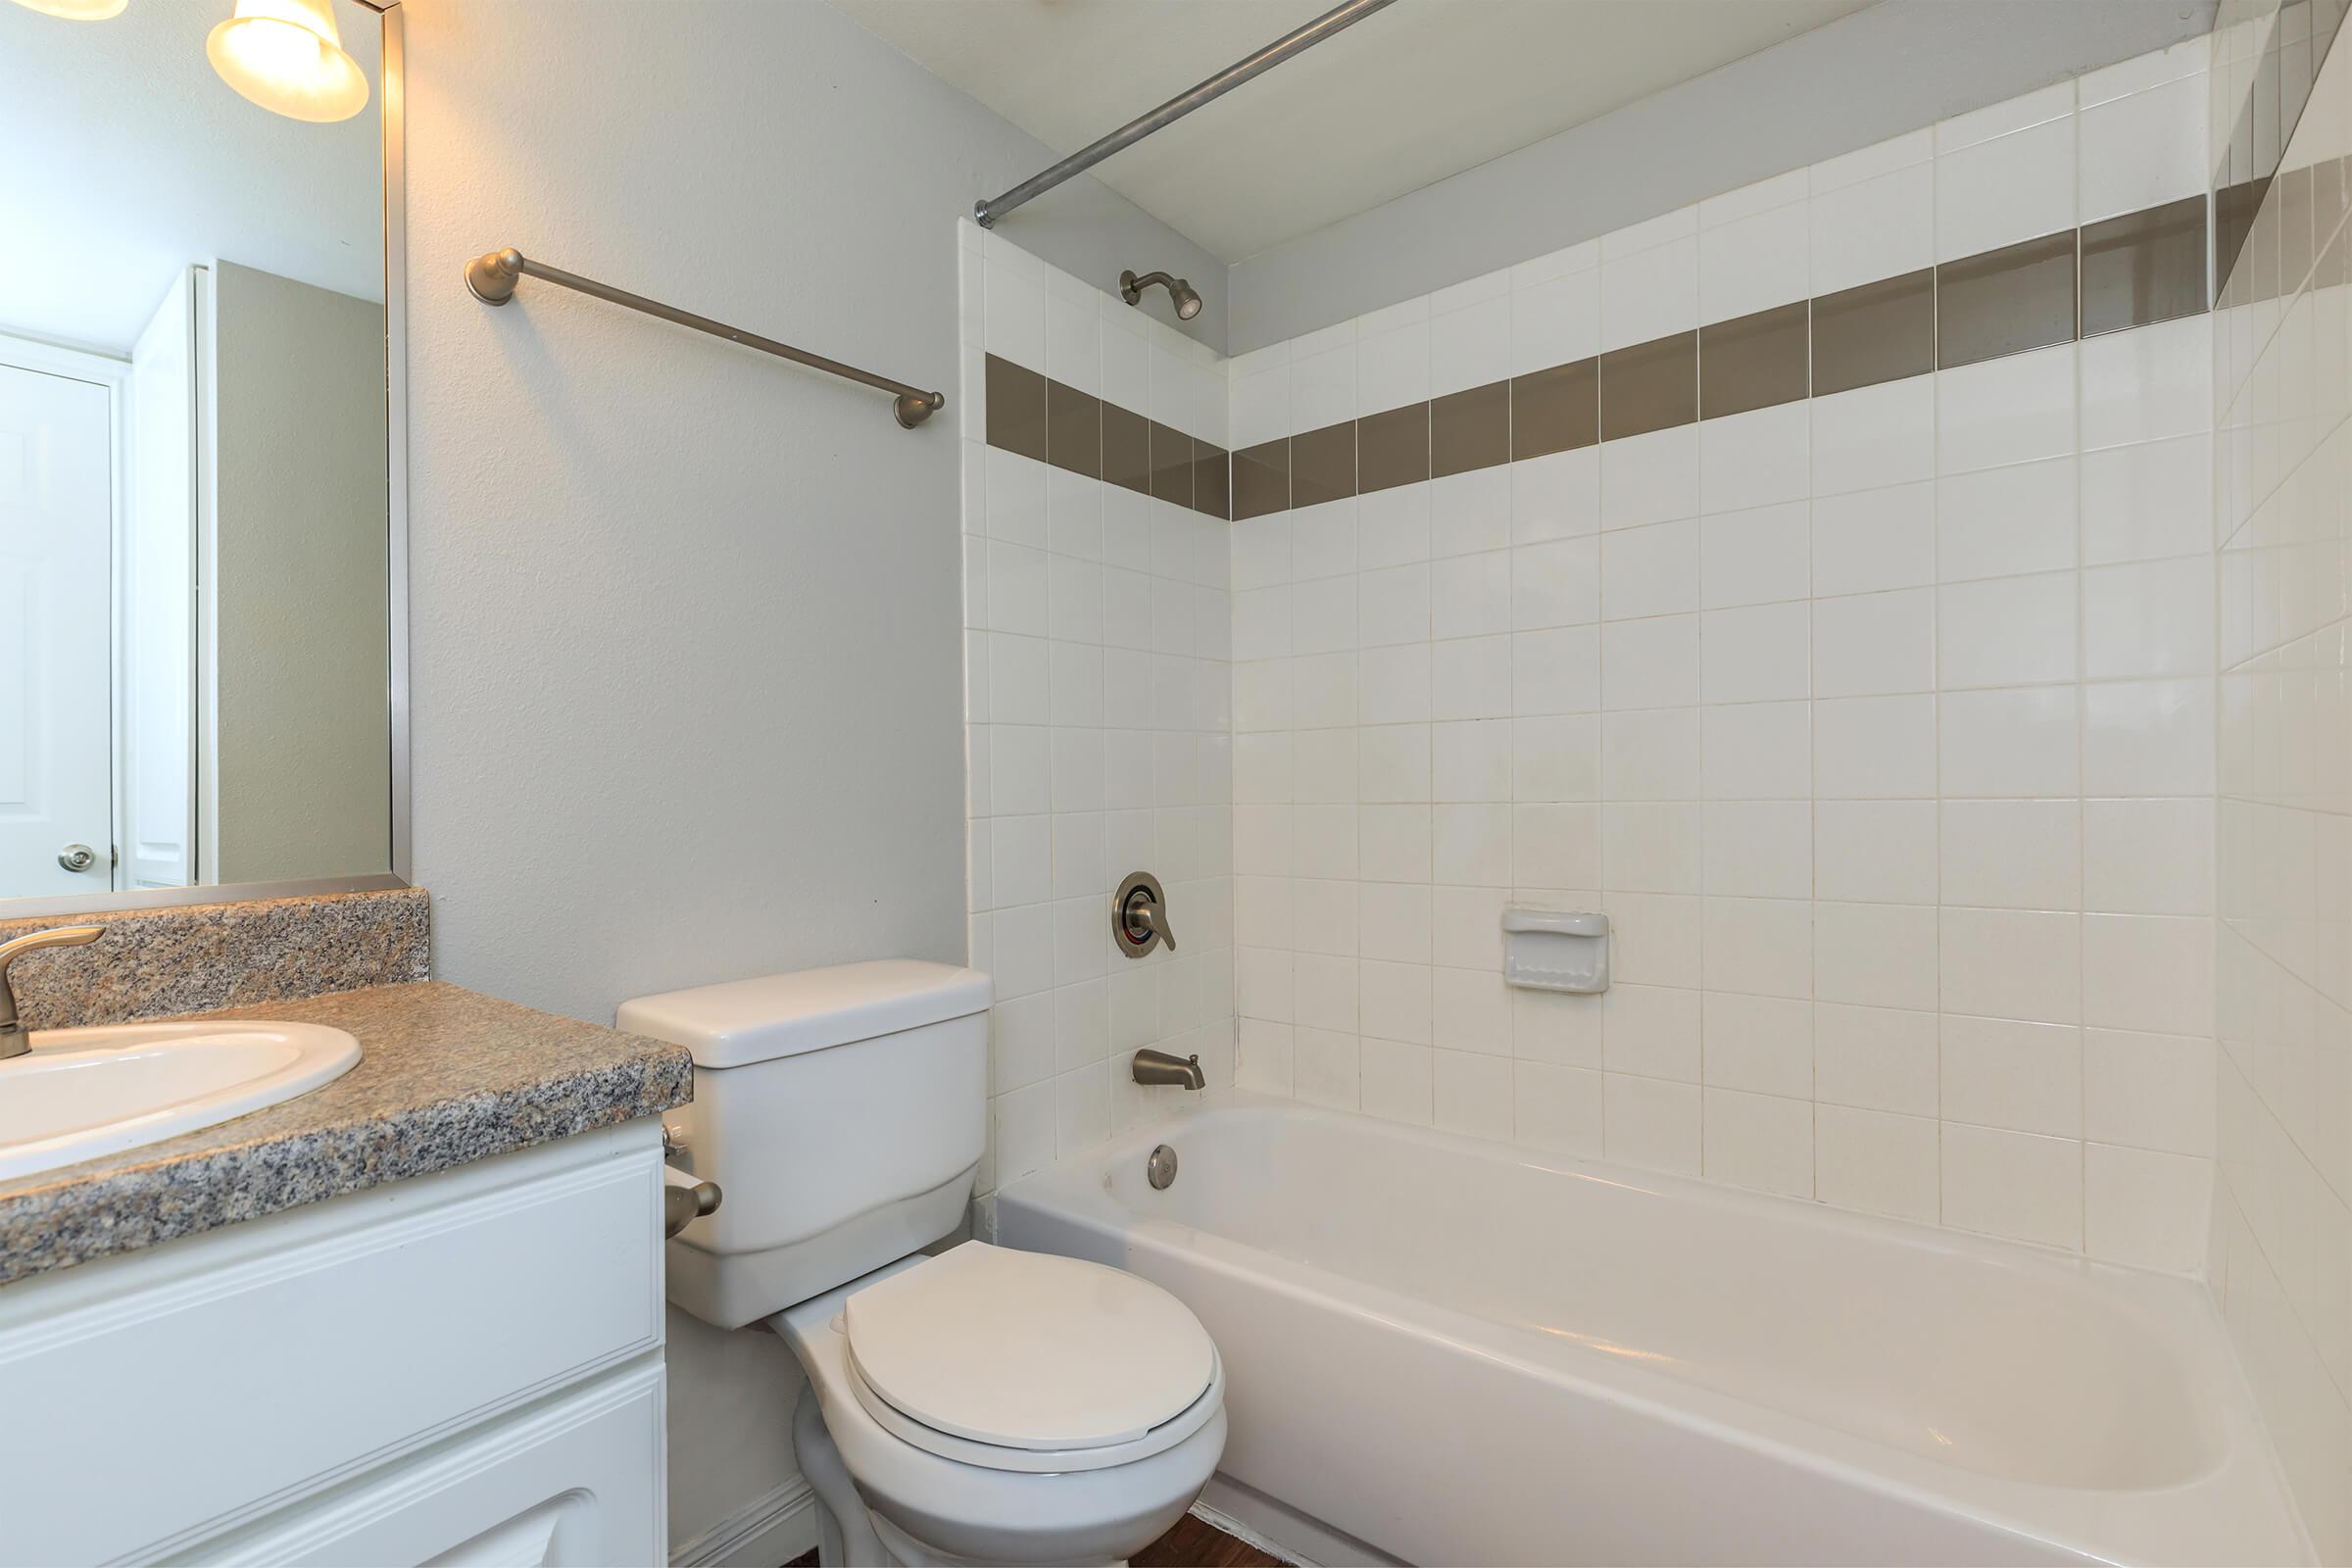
[1441,1350]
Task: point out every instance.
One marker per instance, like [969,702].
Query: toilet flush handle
[685,1199]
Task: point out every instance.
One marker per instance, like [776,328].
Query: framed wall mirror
[203,528]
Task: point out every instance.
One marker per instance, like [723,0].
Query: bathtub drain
[1161,1169]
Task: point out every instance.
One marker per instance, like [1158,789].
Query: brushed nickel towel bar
[493,275]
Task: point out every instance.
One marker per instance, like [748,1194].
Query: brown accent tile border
[1261,479]
[1212,471]
[1083,434]
[1874,332]
[1126,448]
[1650,386]
[1470,429]
[2143,268]
[1555,410]
[1392,448]
[1016,407]
[2132,269]
[1073,430]
[1755,362]
[1323,464]
[1171,466]
[2018,298]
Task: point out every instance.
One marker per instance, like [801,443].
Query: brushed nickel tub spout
[1158,1067]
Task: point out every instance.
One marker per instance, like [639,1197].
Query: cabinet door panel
[189,1390]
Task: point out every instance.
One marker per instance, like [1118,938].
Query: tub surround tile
[446,1077]
[1650,386]
[1392,448]
[1756,361]
[1261,479]
[1470,429]
[156,964]
[2143,268]
[1323,464]
[2010,301]
[1557,409]
[1016,407]
[1126,448]
[1874,333]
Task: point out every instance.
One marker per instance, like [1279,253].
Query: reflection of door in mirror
[56,543]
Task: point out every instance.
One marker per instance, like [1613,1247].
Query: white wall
[2283,385]
[297,602]
[1893,68]
[1097,700]
[686,635]
[1881,723]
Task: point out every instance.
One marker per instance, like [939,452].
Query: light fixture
[286,55]
[77,10]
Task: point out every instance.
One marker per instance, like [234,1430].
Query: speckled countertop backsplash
[195,957]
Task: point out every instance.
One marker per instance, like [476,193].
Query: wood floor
[1192,1544]
[1198,1544]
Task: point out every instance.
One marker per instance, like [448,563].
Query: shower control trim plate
[1139,916]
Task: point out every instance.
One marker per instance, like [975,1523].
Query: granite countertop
[446,1076]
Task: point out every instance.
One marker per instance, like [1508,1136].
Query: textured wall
[685,620]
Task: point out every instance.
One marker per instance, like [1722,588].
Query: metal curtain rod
[1176,108]
[492,277]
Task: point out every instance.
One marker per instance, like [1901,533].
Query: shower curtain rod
[493,275]
[1217,86]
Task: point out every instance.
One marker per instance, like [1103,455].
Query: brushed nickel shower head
[1186,297]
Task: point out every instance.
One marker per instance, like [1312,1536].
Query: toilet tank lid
[742,1022]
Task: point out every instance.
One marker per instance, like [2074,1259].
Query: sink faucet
[1158,1067]
[15,1038]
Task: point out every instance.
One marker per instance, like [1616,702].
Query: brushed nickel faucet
[1158,1067]
[15,1038]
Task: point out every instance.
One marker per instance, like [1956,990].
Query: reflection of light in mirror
[77,10]
[286,55]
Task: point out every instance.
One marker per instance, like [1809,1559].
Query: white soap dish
[1555,950]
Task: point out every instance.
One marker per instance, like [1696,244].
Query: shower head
[1187,298]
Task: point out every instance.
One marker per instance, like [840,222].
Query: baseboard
[773,1528]
[1281,1530]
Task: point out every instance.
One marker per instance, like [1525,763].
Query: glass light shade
[286,55]
[77,10]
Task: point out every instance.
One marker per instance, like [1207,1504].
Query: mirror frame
[393,89]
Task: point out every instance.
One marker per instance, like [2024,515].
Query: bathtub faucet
[1158,1067]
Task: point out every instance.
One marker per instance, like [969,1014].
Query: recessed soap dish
[1555,950]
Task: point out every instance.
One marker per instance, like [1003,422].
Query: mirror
[200,615]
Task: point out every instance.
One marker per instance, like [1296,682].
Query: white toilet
[983,1406]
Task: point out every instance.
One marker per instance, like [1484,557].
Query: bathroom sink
[82,1092]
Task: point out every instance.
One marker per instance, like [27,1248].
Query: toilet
[980,1405]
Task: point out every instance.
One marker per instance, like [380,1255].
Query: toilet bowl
[966,1475]
[983,1406]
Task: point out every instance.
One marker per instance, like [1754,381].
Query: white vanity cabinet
[464,1367]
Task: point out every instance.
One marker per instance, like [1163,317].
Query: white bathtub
[1454,1353]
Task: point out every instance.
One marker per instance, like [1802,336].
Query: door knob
[78,857]
[1139,916]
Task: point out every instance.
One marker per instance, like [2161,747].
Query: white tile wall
[1882,724]
[2281,1264]
[1100,627]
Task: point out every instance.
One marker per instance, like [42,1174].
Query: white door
[56,635]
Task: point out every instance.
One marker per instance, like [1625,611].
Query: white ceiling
[1411,94]
[127,159]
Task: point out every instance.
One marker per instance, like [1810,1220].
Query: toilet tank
[842,1112]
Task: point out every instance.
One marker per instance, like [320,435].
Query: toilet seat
[1029,1362]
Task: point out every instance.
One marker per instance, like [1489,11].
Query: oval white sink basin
[82,1092]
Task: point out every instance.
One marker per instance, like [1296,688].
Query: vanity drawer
[186,1391]
[577,1480]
